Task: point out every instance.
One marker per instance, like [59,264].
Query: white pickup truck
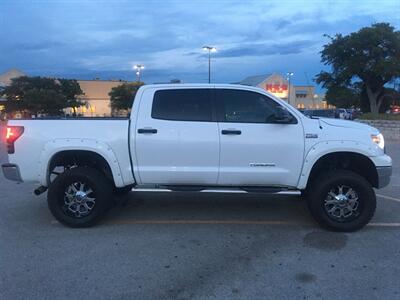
[195,137]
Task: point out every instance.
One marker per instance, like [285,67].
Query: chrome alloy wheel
[342,203]
[79,200]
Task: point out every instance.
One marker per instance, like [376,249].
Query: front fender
[55,146]
[322,148]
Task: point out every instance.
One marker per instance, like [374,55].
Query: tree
[41,95]
[342,96]
[122,96]
[70,88]
[369,57]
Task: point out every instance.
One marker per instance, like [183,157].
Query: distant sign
[279,89]
[276,88]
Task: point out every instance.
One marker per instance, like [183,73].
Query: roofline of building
[104,80]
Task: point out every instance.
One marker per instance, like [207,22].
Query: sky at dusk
[88,39]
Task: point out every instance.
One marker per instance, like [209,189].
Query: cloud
[36,46]
[104,38]
[265,49]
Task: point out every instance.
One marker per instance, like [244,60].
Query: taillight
[12,134]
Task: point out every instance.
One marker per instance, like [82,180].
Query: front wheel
[341,201]
[80,197]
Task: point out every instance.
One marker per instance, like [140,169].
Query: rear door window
[182,105]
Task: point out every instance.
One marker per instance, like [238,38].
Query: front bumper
[384,174]
[11,172]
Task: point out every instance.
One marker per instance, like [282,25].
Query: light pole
[209,49]
[138,69]
[288,76]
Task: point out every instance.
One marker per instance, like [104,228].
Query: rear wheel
[80,197]
[341,201]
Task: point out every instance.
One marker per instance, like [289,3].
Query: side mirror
[282,116]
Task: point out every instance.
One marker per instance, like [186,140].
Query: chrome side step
[219,190]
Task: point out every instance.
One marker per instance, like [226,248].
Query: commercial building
[300,96]
[95,94]
[97,99]
[5,80]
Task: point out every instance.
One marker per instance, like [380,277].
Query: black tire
[101,191]
[323,212]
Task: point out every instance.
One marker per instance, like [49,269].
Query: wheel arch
[86,152]
[343,160]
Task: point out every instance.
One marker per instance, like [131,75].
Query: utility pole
[138,68]
[209,49]
[288,76]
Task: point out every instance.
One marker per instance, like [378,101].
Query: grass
[370,116]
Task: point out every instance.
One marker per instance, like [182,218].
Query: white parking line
[384,224]
[227,222]
[219,222]
[203,222]
[388,197]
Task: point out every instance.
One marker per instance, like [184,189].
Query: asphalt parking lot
[197,246]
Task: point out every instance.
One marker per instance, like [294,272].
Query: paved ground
[197,246]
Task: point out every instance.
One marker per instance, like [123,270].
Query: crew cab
[195,137]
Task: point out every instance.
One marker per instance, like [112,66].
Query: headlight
[378,139]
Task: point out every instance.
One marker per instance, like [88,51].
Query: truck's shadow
[156,206]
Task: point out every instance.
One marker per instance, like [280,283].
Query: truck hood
[349,124]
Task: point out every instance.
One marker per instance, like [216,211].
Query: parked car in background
[343,114]
[354,113]
[338,113]
[395,109]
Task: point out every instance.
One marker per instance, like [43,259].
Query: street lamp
[288,76]
[138,69]
[209,49]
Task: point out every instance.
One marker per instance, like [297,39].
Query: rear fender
[55,146]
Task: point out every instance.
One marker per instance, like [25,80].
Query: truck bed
[40,135]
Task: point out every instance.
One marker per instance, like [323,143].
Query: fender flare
[55,146]
[327,147]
